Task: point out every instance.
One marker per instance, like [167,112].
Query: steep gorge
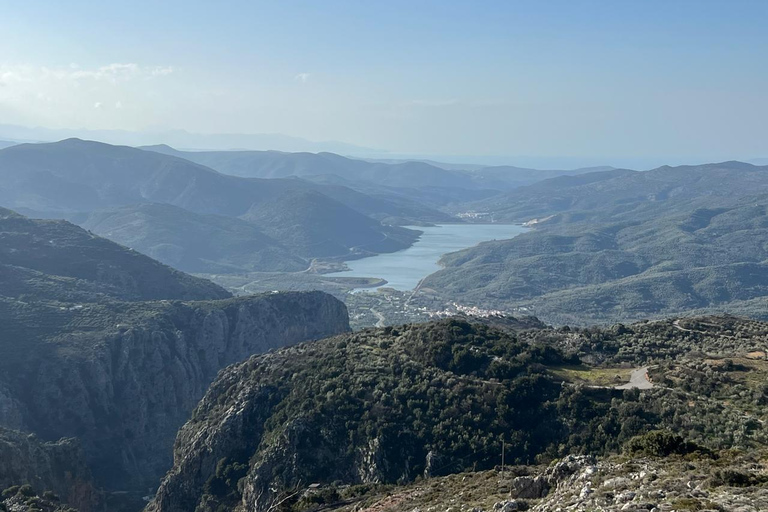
[123,377]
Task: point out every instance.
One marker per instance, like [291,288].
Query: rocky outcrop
[528,487]
[124,377]
[537,486]
[732,481]
[640,485]
[371,407]
[52,466]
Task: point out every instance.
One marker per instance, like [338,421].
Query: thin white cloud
[113,73]
[302,77]
[433,102]
[162,71]
[121,72]
[63,94]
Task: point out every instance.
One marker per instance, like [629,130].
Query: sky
[573,78]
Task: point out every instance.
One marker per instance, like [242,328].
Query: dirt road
[638,379]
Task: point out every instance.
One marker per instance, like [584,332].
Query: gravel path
[638,379]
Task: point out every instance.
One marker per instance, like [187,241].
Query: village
[387,306]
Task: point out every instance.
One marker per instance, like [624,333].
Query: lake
[404,269]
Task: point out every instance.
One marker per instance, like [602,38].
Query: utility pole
[502,453]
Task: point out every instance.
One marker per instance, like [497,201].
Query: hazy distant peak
[158,147]
[184,139]
[8,214]
[81,143]
[734,165]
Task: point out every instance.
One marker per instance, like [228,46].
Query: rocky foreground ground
[728,482]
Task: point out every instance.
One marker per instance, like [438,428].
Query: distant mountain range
[275,164]
[193,242]
[621,245]
[112,190]
[181,139]
[318,226]
[262,210]
[437,183]
[608,244]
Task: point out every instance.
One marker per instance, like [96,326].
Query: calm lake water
[404,269]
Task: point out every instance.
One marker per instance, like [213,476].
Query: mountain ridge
[35,254]
[621,246]
[74,178]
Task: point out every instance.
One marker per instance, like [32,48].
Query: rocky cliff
[123,377]
[58,467]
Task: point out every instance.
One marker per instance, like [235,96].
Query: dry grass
[593,376]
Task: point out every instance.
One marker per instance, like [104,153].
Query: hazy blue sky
[547,78]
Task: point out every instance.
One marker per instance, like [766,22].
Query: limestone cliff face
[124,378]
[56,466]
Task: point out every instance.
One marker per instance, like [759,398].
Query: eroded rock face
[10,410]
[54,466]
[123,386]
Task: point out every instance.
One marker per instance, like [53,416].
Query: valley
[393,296]
[384,256]
[116,363]
[601,245]
[324,355]
[403,270]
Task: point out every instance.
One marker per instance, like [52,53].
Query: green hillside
[316,225]
[623,245]
[56,260]
[194,242]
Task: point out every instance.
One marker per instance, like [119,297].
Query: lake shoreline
[404,269]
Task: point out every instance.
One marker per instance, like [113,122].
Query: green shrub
[11,491]
[312,500]
[733,478]
[223,484]
[27,490]
[660,443]
[51,496]
[689,504]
